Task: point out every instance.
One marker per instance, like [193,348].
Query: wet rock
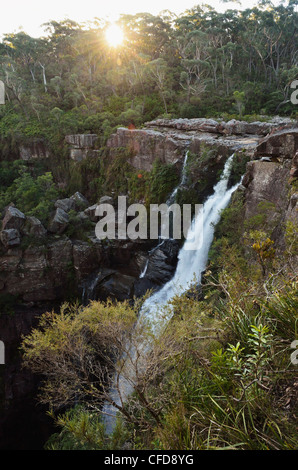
[10,237]
[162,262]
[59,221]
[86,258]
[13,218]
[118,286]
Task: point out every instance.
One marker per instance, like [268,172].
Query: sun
[114,35]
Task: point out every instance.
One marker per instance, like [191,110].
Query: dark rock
[59,221]
[118,286]
[86,258]
[90,212]
[162,262]
[66,204]
[13,218]
[80,201]
[10,237]
[34,227]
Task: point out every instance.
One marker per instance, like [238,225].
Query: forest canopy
[199,64]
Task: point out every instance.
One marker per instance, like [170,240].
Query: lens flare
[114,35]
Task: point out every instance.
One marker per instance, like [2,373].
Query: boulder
[10,237]
[59,221]
[162,262]
[80,201]
[278,145]
[34,227]
[106,200]
[118,286]
[13,218]
[90,212]
[66,204]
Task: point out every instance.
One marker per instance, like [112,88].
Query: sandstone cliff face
[271,177]
[168,140]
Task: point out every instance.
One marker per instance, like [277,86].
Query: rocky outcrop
[278,145]
[146,145]
[13,219]
[213,126]
[294,168]
[168,140]
[34,150]
[34,227]
[268,182]
[81,145]
[59,221]
[10,237]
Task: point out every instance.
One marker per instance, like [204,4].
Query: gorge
[43,265]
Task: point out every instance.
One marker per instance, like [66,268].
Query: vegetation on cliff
[219,375]
[202,63]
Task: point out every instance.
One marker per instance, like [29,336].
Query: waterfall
[170,201]
[182,182]
[88,288]
[192,260]
[143,273]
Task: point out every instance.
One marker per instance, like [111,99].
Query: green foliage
[162,180]
[84,430]
[33,196]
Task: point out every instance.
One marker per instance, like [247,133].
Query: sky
[29,15]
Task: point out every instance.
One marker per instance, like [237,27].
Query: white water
[192,261]
[182,182]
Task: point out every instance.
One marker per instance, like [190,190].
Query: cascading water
[170,201]
[192,261]
[181,183]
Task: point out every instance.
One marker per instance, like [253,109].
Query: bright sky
[29,15]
